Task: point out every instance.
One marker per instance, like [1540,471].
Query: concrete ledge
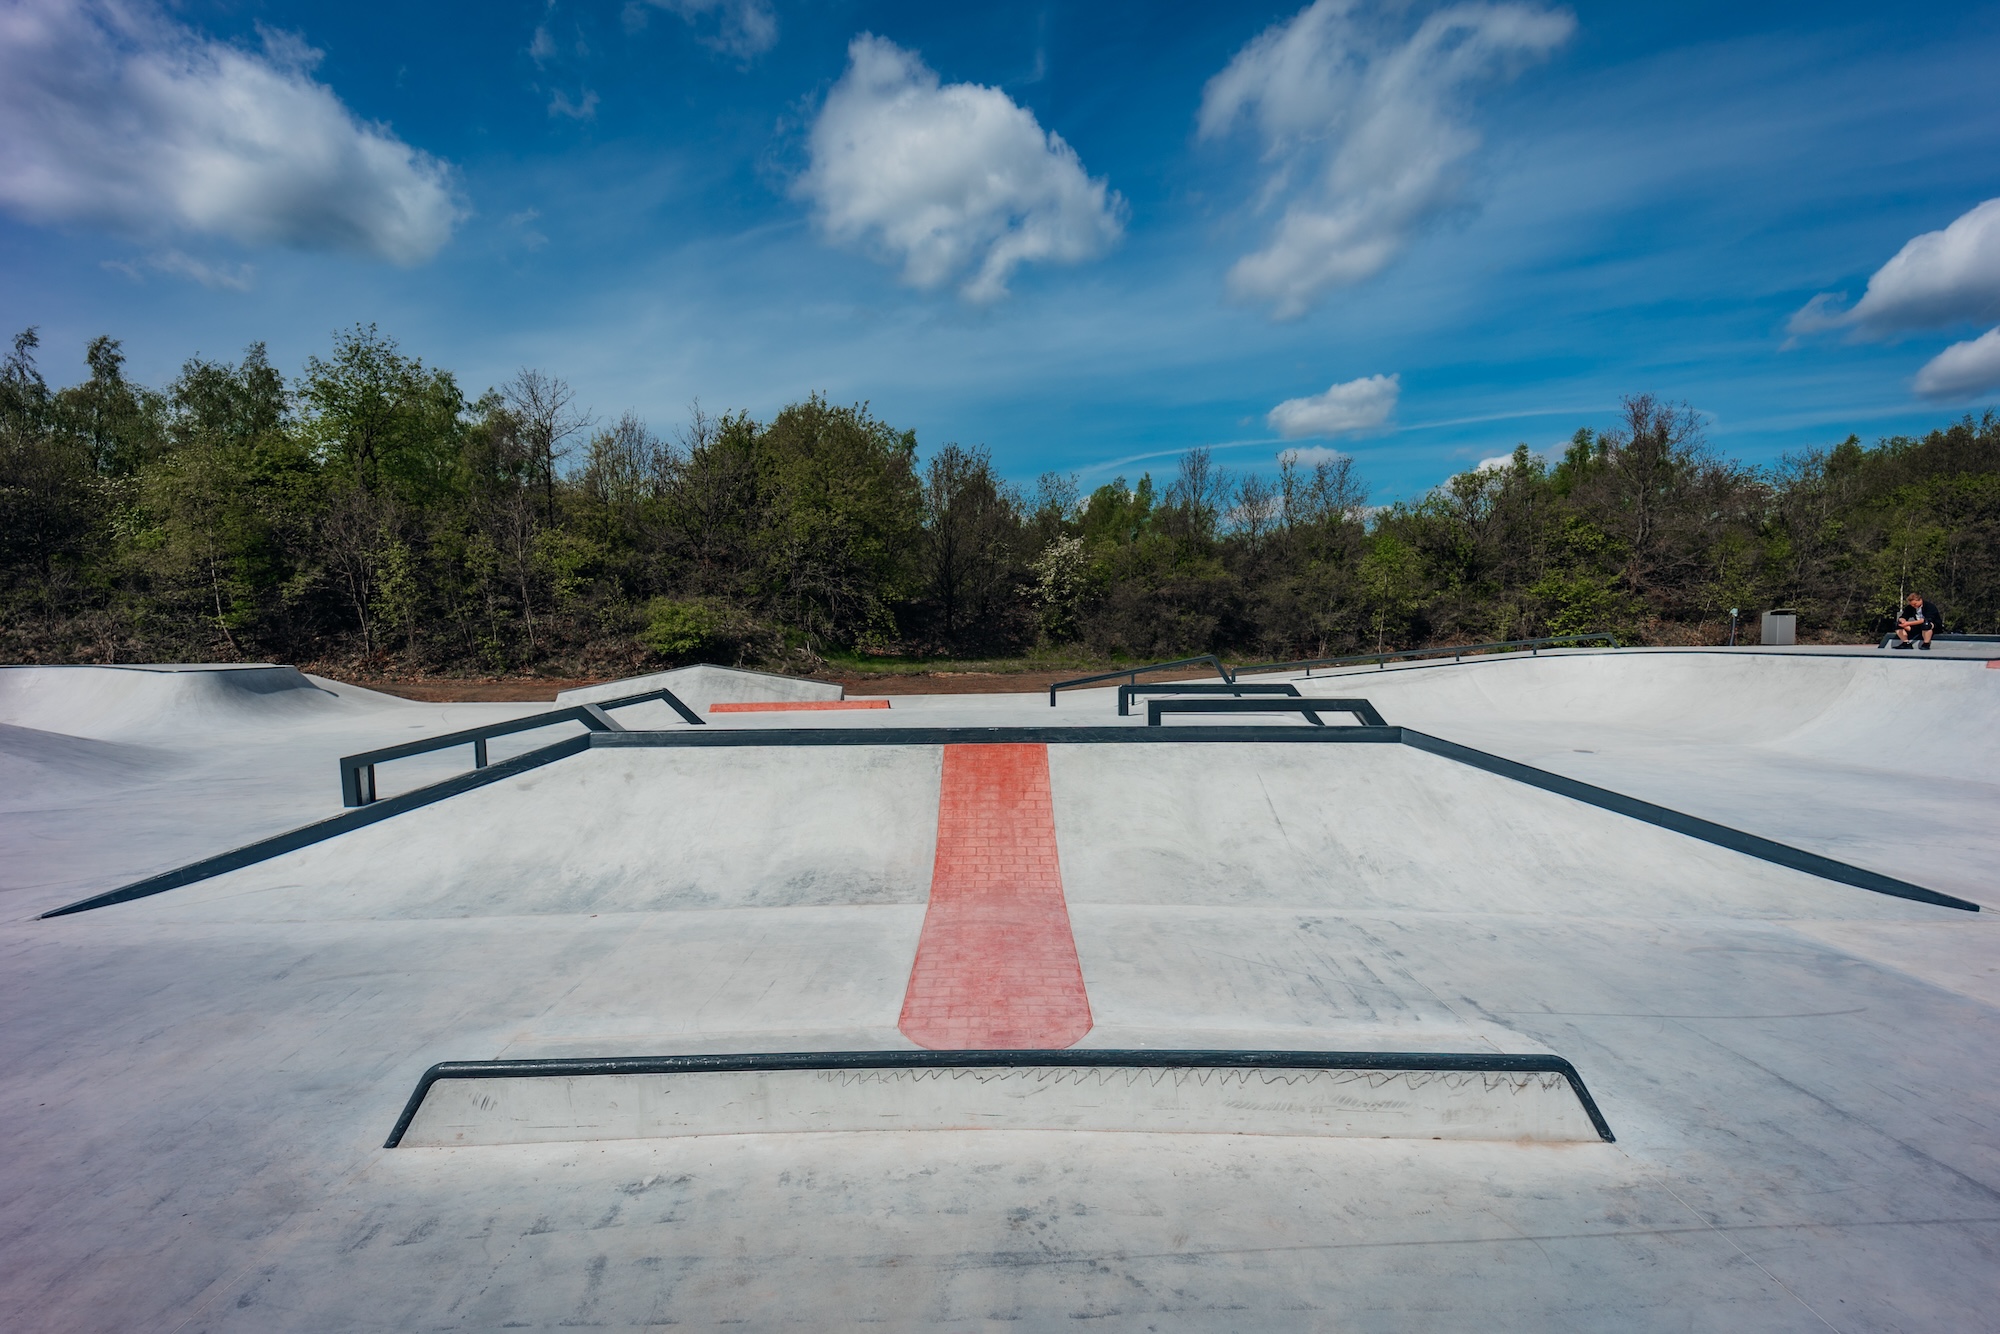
[1394,1095]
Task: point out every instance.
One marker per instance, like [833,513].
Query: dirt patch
[543,689]
[982,683]
[446,690]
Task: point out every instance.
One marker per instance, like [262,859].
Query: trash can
[1780,627]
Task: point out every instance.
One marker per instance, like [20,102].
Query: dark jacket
[1927,612]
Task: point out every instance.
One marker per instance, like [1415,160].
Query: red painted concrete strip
[791,705]
[996,965]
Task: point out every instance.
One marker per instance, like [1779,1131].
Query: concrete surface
[701,685]
[1801,1075]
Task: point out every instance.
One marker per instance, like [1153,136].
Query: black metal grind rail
[1126,694]
[1455,651]
[1310,706]
[1229,675]
[357,772]
[1133,674]
[1068,1058]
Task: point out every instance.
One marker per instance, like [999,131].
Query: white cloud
[543,48]
[1963,370]
[585,109]
[1937,279]
[1495,464]
[1310,455]
[1341,410]
[1366,143]
[952,182]
[113,113]
[187,266]
[743,28]
[524,223]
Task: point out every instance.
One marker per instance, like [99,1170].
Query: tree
[841,512]
[971,532]
[382,419]
[545,409]
[52,511]
[118,422]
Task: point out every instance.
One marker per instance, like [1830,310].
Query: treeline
[370,514]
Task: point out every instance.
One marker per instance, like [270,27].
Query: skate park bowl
[1585,989]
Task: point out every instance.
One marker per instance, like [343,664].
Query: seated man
[1919,618]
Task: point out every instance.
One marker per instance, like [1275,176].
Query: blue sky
[1087,236]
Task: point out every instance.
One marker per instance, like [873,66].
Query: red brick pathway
[996,965]
[792,705]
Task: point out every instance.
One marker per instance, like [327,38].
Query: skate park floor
[1799,1072]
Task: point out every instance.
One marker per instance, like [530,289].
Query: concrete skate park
[1586,988]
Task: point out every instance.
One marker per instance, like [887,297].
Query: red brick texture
[996,964]
[793,705]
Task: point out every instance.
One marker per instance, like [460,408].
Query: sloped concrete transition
[971,1010]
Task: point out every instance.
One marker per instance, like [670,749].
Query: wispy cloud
[1309,455]
[524,223]
[1485,417]
[114,113]
[955,182]
[237,279]
[1357,405]
[1104,466]
[741,28]
[1365,138]
[584,108]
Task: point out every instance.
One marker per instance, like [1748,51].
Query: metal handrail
[1229,674]
[1126,694]
[1311,706]
[1456,650]
[1133,673]
[357,772]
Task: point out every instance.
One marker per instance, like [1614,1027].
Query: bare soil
[543,689]
[467,690]
[980,683]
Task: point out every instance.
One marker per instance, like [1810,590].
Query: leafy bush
[683,631]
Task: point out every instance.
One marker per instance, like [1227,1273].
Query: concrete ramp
[1347,827]
[701,686]
[620,831]
[1848,708]
[1390,828]
[161,701]
[37,767]
[1377,1095]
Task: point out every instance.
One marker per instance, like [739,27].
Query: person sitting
[1920,618]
